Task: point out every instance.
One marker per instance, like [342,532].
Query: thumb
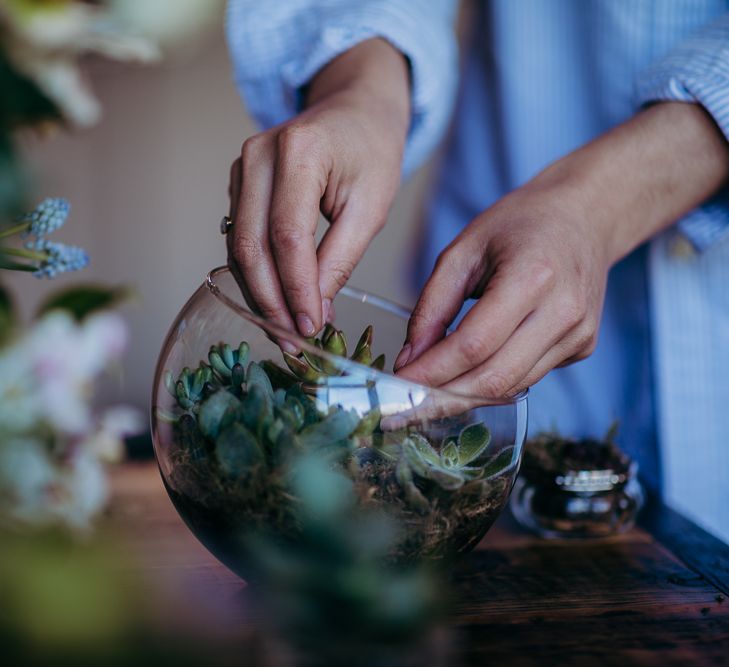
[439,303]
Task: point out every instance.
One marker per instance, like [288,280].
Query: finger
[250,246]
[439,303]
[508,299]
[342,247]
[522,361]
[299,183]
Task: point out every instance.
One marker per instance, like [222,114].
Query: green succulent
[310,368]
[258,418]
[450,468]
[249,425]
[191,387]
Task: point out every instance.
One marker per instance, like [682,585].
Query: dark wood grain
[654,596]
[702,552]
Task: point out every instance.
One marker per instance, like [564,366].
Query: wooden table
[658,595]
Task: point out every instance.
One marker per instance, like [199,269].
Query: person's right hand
[341,157]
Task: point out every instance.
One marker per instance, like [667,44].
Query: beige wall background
[148,186]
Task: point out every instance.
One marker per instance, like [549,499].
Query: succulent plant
[449,469]
[310,368]
[240,432]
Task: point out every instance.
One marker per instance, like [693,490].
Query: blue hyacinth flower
[60,258]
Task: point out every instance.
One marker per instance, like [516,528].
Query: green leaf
[449,455]
[334,427]
[498,463]
[369,422]
[257,409]
[256,377]
[238,450]
[450,480]
[414,459]
[23,102]
[311,414]
[472,442]
[296,411]
[8,317]
[336,343]
[213,409]
[216,361]
[243,350]
[379,363]
[280,378]
[226,351]
[12,265]
[13,182]
[84,300]
[424,449]
[301,368]
[413,495]
[365,341]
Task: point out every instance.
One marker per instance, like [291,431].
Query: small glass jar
[561,500]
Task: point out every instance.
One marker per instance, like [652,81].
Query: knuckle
[296,140]
[473,349]
[252,149]
[445,261]
[572,311]
[541,274]
[285,236]
[588,345]
[494,384]
[248,250]
[340,271]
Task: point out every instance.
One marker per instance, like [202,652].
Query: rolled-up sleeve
[277,47]
[697,71]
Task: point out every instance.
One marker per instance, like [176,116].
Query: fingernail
[286,346]
[326,305]
[306,326]
[403,357]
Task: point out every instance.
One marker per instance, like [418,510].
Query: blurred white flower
[82,491]
[64,358]
[26,481]
[44,40]
[107,440]
[168,22]
[51,445]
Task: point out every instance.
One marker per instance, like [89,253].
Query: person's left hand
[539,270]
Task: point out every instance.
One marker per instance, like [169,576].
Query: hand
[340,157]
[538,259]
[539,272]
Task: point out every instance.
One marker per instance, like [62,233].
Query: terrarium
[234,415]
[577,488]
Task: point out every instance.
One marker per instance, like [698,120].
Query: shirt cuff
[422,31]
[697,72]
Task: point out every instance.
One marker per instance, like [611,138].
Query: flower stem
[22,252]
[14,230]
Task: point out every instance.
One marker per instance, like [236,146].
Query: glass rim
[344,362]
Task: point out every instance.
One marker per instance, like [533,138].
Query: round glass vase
[585,503]
[439,464]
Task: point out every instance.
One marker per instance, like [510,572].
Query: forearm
[372,75]
[639,178]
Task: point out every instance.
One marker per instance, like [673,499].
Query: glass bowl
[230,422]
[576,489]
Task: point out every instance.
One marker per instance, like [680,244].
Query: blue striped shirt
[540,78]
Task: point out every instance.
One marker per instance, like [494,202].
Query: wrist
[372,76]
[643,175]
